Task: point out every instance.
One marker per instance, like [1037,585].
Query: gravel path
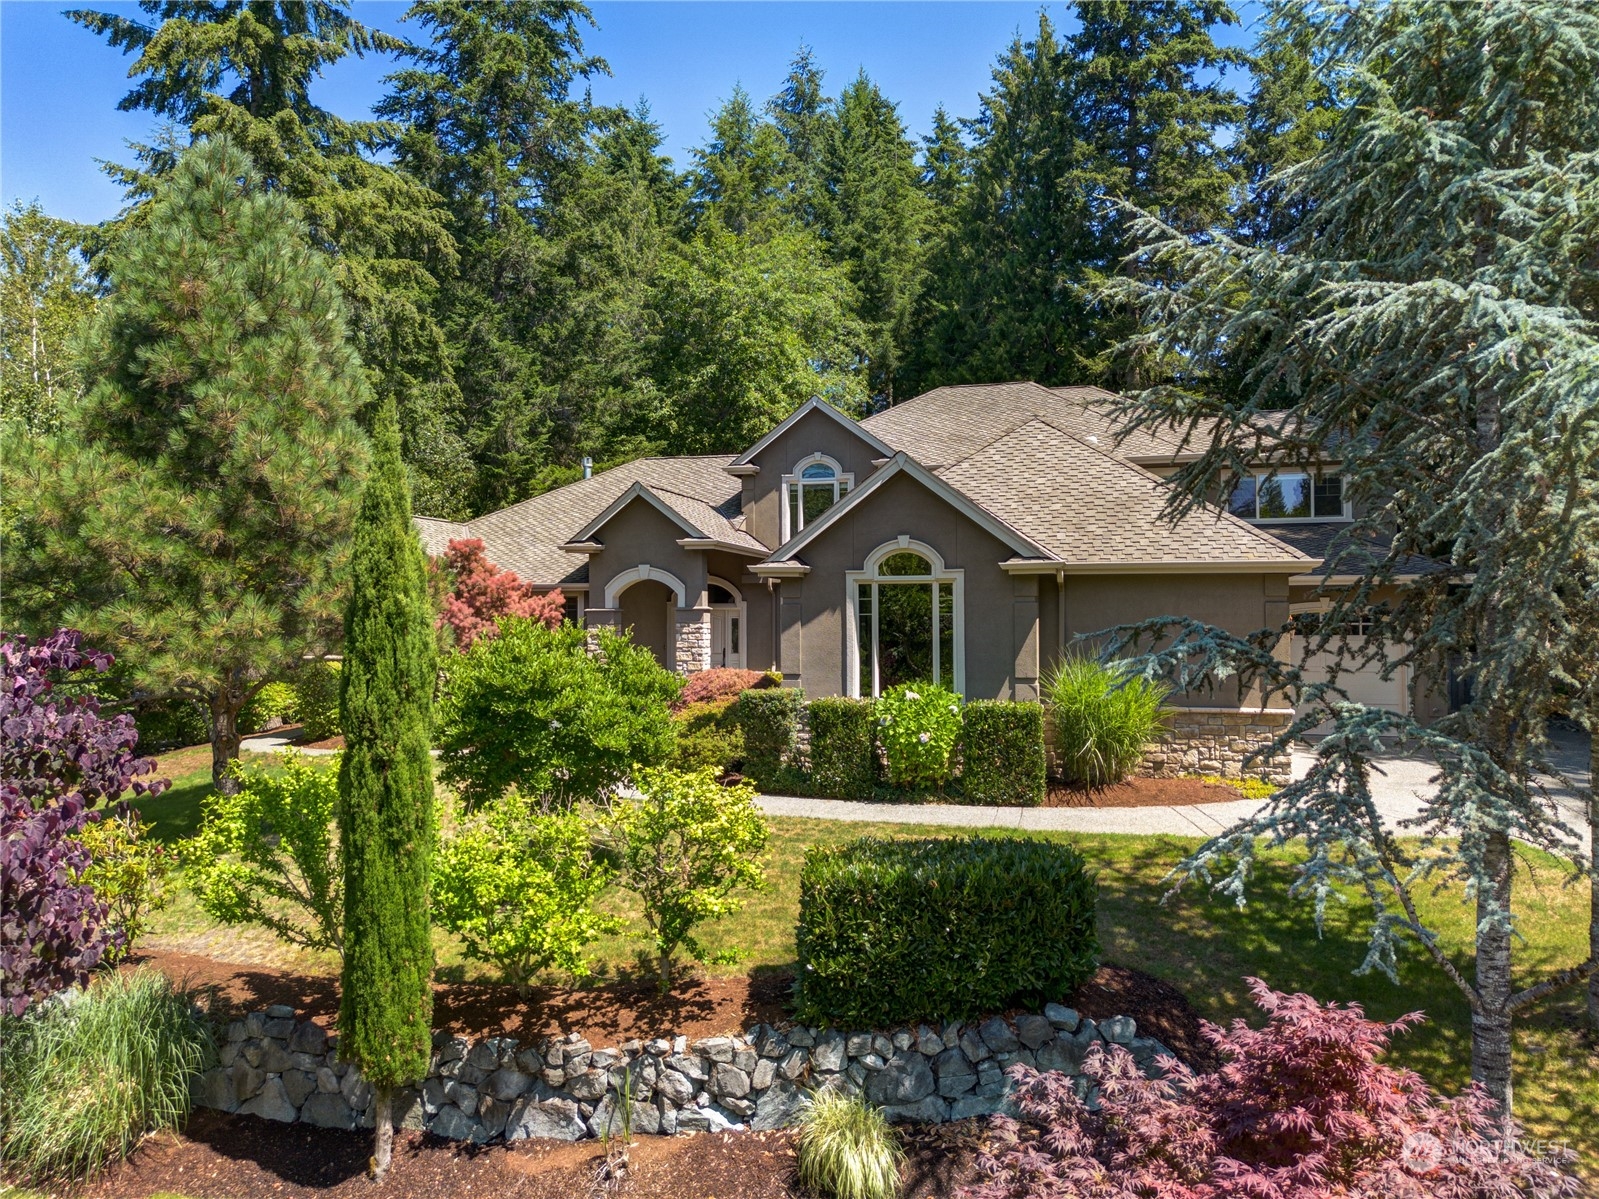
[1399,790]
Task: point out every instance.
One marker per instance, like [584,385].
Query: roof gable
[804,410]
[904,464]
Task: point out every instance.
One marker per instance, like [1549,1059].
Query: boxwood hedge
[895,931]
[770,718]
[843,753]
[1002,752]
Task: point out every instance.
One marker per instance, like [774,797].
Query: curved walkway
[1399,790]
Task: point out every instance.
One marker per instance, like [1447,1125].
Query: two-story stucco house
[968,535]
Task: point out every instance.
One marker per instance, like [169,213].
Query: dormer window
[816,485]
[1288,496]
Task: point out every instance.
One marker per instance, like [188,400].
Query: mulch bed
[1141,793]
[242,1157]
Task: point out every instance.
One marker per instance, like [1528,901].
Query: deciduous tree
[484,594]
[45,297]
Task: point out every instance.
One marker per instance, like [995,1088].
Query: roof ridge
[1222,514]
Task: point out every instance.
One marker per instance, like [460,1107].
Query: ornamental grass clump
[88,1074]
[918,725]
[846,1148]
[1104,717]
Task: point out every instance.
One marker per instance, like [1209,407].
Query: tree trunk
[225,708]
[383,1133]
[1490,1025]
[1593,854]
[664,970]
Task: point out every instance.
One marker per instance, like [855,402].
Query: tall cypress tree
[386,827]
[192,511]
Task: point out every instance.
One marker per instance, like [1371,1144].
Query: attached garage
[1363,684]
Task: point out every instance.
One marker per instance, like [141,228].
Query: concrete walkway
[271,744]
[1399,790]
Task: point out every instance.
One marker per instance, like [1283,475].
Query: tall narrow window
[907,621]
[814,487]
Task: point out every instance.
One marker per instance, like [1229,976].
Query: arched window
[816,484]
[907,620]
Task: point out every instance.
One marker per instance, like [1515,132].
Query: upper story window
[1289,495]
[815,486]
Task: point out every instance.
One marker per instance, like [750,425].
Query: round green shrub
[895,931]
[1104,718]
[275,701]
[918,725]
[709,736]
[316,699]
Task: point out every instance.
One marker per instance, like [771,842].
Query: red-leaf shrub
[58,758]
[724,682]
[1301,1109]
[58,747]
[484,593]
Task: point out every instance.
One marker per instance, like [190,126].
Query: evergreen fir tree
[1433,315]
[386,822]
[804,117]
[244,71]
[193,511]
[738,177]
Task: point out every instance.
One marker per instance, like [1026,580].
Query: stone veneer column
[594,619]
[691,646]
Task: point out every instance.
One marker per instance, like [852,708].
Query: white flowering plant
[918,725]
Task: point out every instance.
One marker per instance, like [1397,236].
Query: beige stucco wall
[815,608]
[814,433]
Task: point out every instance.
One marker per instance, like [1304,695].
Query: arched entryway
[729,623]
[646,600]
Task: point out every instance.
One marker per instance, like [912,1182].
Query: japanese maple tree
[1302,1108]
[484,593]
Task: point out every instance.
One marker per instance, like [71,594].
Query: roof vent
[588,467]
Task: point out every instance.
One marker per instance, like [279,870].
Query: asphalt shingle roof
[948,424]
[1087,507]
[1319,541]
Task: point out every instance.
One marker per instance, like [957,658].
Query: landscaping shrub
[87,1076]
[534,709]
[770,720]
[316,699]
[268,855]
[483,594]
[1301,1107]
[518,887]
[128,871]
[846,1148]
[723,682]
[172,724]
[843,752]
[1002,752]
[1104,717]
[275,701]
[891,932]
[918,725]
[709,736]
[686,844]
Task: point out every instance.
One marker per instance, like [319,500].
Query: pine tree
[45,296]
[192,513]
[386,822]
[244,71]
[802,113]
[1433,315]
[872,220]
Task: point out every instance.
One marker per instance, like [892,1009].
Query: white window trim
[843,484]
[955,576]
[738,602]
[641,574]
[1261,475]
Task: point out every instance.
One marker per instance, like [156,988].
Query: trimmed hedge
[709,736]
[843,753]
[892,932]
[1002,752]
[770,719]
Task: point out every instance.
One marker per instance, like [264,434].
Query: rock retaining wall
[494,1089]
[1216,741]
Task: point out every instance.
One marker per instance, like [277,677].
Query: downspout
[1060,617]
[777,624]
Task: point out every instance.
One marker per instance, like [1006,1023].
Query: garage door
[1364,685]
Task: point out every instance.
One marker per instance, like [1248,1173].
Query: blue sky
[59,84]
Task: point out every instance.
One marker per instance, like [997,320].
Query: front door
[727,638]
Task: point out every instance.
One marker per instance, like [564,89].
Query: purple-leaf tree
[59,757]
[1302,1107]
[57,746]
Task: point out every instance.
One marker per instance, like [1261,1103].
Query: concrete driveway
[1399,790]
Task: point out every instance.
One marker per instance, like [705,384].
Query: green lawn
[1204,945]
